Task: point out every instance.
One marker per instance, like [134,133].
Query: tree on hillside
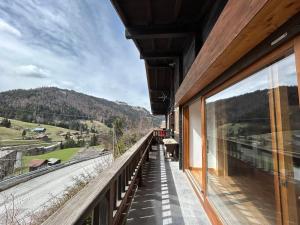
[118,129]
[119,126]
[5,123]
[94,140]
[24,134]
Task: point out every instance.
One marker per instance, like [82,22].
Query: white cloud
[77,45]
[7,28]
[32,71]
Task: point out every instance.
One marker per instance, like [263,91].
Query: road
[27,198]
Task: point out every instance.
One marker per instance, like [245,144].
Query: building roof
[162,30]
[37,162]
[53,160]
[39,129]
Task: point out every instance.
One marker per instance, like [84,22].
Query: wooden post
[123,181]
[96,215]
[119,188]
[140,176]
[104,210]
[110,196]
[126,175]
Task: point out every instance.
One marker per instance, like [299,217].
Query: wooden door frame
[186,138]
[204,140]
[198,187]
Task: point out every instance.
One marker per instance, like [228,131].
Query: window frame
[290,47]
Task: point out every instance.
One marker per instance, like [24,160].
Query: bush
[5,123]
[94,140]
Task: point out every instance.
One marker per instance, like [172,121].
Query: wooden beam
[159,101]
[224,47]
[158,90]
[149,12]
[177,8]
[160,55]
[160,67]
[167,31]
[119,11]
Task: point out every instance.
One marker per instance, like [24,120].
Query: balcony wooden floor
[166,196]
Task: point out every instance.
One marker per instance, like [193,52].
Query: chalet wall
[233,32]
[188,56]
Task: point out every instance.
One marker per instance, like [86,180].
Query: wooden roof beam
[149,32]
[177,8]
[159,101]
[160,67]
[166,91]
[159,55]
[120,11]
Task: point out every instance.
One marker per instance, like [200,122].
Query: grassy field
[15,132]
[63,154]
[13,135]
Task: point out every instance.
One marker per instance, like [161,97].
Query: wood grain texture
[186,137]
[241,26]
[275,155]
[204,140]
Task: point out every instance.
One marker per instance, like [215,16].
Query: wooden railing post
[104,210]
[96,215]
[123,181]
[127,176]
[111,204]
[119,190]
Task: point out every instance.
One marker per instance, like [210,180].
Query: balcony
[141,187]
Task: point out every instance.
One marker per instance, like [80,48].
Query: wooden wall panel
[241,26]
[186,138]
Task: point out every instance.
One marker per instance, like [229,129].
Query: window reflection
[252,133]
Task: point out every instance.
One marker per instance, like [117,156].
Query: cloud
[77,45]
[32,71]
[7,28]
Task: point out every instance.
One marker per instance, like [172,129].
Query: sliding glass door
[253,147]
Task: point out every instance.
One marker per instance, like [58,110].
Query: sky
[71,44]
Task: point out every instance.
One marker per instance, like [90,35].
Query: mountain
[53,105]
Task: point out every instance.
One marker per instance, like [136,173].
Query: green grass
[18,126]
[13,135]
[63,154]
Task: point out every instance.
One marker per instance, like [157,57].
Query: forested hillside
[56,106]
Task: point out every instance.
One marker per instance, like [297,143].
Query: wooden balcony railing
[106,199]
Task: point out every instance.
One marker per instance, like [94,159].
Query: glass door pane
[253,141]
[240,173]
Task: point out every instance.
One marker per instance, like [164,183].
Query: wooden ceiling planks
[161,29]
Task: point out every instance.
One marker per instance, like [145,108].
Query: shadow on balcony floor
[166,196]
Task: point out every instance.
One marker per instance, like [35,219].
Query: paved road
[31,196]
